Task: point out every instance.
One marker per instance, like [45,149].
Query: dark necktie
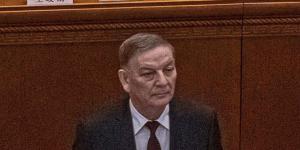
[153,143]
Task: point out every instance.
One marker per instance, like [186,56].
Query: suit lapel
[179,128]
[126,135]
[175,129]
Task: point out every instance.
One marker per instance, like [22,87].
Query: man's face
[152,77]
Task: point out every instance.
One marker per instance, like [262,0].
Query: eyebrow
[172,62]
[145,69]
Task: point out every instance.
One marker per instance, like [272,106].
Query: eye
[148,75]
[169,69]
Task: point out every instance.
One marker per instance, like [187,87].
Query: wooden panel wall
[211,74]
[59,64]
[47,88]
[270,103]
[24,2]
[271,93]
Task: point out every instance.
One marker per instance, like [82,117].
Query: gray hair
[138,43]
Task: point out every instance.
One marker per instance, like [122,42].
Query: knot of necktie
[152,126]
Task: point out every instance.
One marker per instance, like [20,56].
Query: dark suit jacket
[192,127]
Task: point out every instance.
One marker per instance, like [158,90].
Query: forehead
[160,55]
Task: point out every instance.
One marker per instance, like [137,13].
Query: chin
[161,101]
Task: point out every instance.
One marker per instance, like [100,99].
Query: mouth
[161,94]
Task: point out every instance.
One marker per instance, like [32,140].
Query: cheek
[174,77]
[146,88]
[141,87]
[172,80]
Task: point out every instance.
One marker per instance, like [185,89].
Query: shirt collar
[139,120]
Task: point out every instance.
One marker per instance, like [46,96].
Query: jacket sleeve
[214,134]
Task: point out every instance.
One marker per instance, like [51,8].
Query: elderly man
[150,119]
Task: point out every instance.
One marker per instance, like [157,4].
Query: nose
[161,79]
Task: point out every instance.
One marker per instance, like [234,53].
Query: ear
[123,77]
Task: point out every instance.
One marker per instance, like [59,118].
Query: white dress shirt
[142,133]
